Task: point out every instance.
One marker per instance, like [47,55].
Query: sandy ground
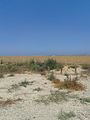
[29,109]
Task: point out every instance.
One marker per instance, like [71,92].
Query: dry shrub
[43,73]
[68,84]
[1,75]
[7,102]
[86,66]
[56,81]
[11,75]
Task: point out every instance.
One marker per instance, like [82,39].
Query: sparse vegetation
[33,66]
[12,68]
[43,73]
[86,66]
[11,75]
[8,102]
[51,76]
[50,64]
[69,84]
[37,89]
[55,97]
[66,115]
[14,87]
[24,83]
[8,68]
[56,81]
[85,100]
[1,75]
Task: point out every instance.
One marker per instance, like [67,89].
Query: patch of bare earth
[32,96]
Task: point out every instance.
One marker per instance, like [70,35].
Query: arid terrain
[48,91]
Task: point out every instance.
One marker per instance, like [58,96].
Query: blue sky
[44,27]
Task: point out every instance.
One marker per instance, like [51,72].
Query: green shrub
[41,66]
[9,68]
[13,69]
[33,66]
[24,83]
[50,64]
[51,77]
[36,66]
[3,68]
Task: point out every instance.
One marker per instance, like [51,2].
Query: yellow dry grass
[68,84]
[61,59]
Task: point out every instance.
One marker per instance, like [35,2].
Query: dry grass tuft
[7,102]
[56,81]
[43,73]
[68,84]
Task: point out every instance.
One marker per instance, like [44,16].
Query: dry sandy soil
[39,100]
